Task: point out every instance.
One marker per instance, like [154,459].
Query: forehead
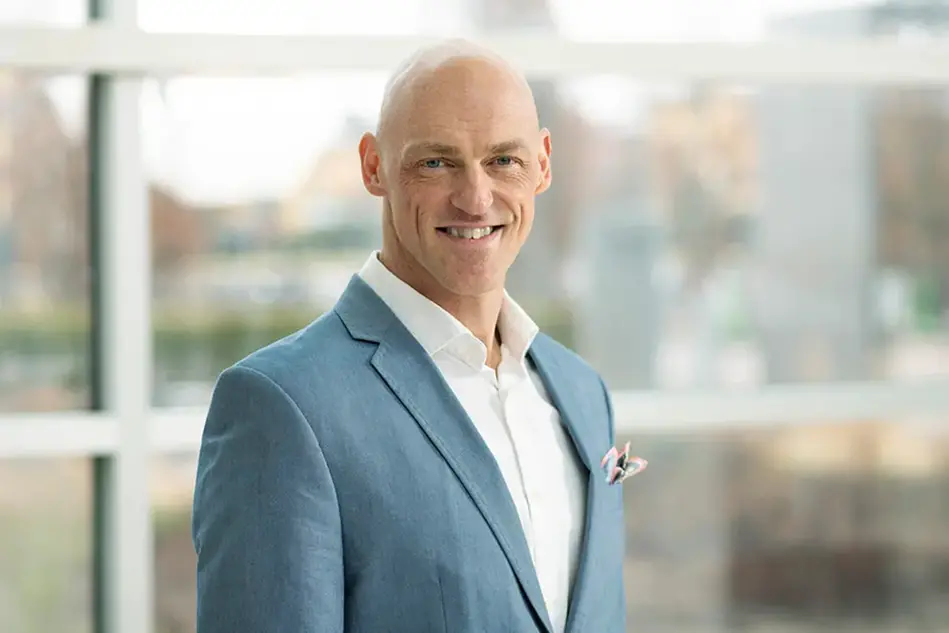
[467,104]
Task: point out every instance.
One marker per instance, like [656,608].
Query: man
[420,459]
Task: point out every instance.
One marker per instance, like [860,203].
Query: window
[43,12]
[44,255]
[716,237]
[256,228]
[803,528]
[45,545]
[698,236]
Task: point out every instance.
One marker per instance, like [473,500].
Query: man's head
[457,159]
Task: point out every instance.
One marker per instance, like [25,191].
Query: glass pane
[587,20]
[44,12]
[45,546]
[814,529]
[172,488]
[44,254]
[699,236]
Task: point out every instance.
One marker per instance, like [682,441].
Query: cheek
[402,220]
[414,209]
[527,218]
[519,195]
[428,202]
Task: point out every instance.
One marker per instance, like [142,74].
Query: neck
[479,313]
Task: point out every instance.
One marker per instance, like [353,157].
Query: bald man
[420,459]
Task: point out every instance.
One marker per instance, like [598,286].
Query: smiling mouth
[469,233]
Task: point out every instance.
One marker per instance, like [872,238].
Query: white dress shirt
[513,413]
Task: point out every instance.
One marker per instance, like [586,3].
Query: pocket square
[620,465]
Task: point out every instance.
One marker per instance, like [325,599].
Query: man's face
[459,167]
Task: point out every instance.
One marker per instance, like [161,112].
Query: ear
[371,164]
[544,160]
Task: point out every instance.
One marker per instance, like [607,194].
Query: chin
[468,278]
[472,286]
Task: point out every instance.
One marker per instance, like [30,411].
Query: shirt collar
[433,327]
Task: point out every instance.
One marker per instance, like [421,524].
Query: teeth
[471,234]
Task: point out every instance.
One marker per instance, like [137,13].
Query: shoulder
[305,363]
[572,373]
[567,361]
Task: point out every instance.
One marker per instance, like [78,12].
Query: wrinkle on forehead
[412,84]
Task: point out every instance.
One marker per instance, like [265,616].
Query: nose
[473,192]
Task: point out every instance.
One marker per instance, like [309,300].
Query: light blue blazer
[341,487]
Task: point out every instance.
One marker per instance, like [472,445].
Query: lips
[469,233]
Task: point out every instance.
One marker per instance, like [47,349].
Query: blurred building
[826,206]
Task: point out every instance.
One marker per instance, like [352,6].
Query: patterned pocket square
[620,465]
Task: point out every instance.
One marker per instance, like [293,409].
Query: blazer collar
[435,328]
[363,313]
[368,318]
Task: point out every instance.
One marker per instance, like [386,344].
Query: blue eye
[504,161]
[432,163]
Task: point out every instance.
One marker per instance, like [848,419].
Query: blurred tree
[47,204]
[47,185]
[177,231]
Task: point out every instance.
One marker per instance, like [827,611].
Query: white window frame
[125,50]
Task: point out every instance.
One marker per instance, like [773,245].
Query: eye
[505,161]
[432,163]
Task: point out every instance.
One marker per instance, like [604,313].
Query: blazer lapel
[412,376]
[568,401]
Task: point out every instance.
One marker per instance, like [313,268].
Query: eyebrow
[509,147]
[442,149]
[438,149]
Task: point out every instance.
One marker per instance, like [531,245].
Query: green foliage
[196,344]
[63,331]
[209,342]
[168,520]
[927,305]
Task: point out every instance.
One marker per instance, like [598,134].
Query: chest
[513,414]
[426,464]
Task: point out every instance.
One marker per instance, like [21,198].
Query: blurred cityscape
[714,237]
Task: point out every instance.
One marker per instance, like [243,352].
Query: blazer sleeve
[266,522]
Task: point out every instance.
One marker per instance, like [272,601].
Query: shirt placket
[516,409]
